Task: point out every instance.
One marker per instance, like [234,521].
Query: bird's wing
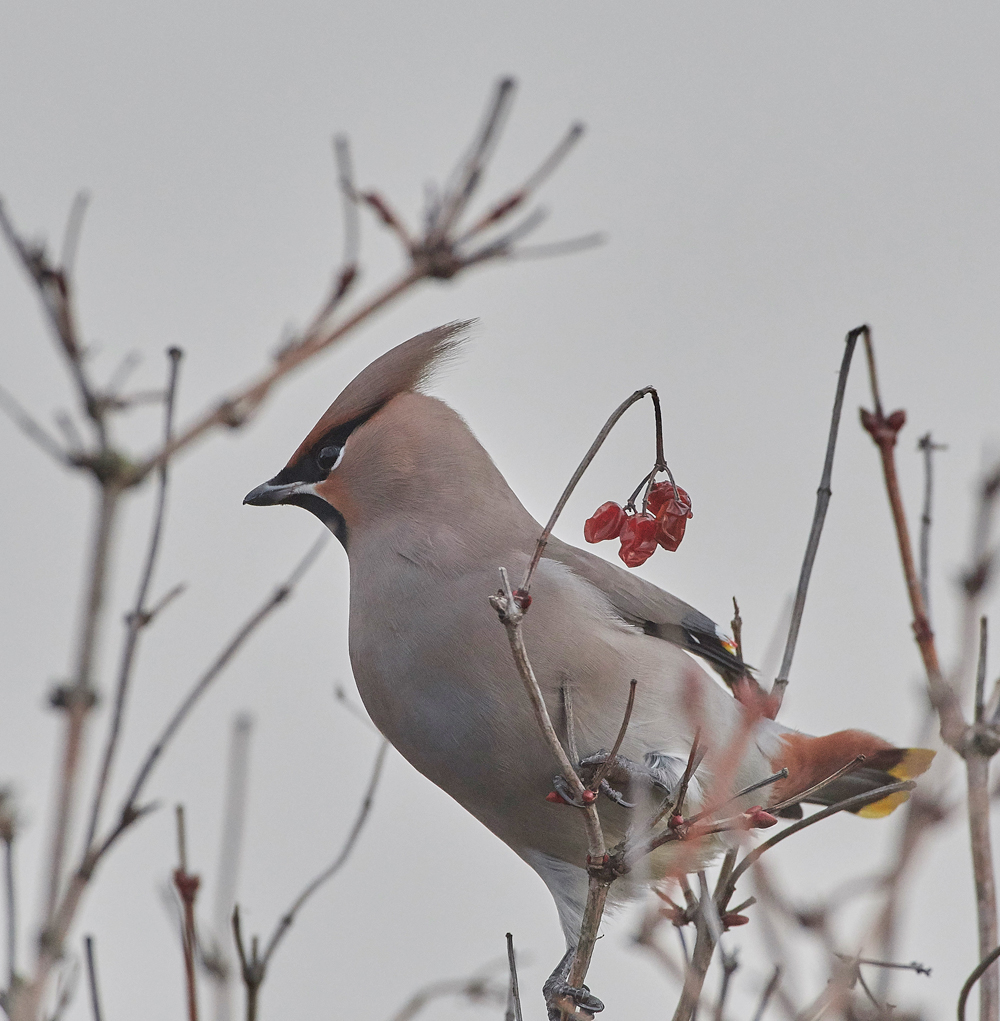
[657,612]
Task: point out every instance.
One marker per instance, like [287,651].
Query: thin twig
[981,671]
[883,431]
[476,989]
[74,230]
[578,474]
[927,445]
[78,699]
[849,804]
[825,782]
[977,974]
[335,866]
[823,495]
[280,594]
[567,699]
[131,811]
[139,617]
[436,255]
[95,996]
[602,770]
[469,172]
[514,1009]
[8,831]
[32,429]
[507,205]
[769,989]
[187,890]
[230,847]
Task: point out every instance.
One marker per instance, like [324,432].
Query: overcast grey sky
[768,176]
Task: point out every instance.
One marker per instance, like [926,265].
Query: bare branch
[95,996]
[514,1005]
[139,616]
[927,445]
[435,255]
[849,804]
[823,495]
[469,172]
[602,771]
[769,989]
[74,228]
[507,205]
[8,832]
[335,866]
[977,974]
[280,594]
[33,429]
[187,889]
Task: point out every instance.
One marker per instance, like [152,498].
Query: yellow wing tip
[914,762]
[884,806]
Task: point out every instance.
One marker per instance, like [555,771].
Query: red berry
[673,510]
[638,535]
[662,492]
[669,530]
[606,523]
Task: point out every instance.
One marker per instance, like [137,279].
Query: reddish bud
[638,535]
[759,819]
[555,798]
[589,797]
[522,598]
[605,523]
[896,420]
[728,921]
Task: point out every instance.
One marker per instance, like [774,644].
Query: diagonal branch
[338,863]
[823,495]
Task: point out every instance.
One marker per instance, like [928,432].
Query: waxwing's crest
[405,368]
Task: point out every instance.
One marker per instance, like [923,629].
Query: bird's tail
[810,760]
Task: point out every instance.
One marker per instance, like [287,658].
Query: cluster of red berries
[661,522]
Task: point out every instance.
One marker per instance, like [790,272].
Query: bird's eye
[329,457]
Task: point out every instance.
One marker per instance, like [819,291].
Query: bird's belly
[435,671]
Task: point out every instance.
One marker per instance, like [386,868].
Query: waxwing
[427,519]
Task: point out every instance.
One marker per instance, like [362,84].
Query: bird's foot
[563,1001]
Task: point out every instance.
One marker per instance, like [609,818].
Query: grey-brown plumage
[427,519]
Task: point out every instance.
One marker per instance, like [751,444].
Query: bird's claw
[559,994]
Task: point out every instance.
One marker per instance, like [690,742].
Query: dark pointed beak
[268,494]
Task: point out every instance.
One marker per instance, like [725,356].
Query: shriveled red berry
[661,492]
[670,530]
[671,516]
[555,798]
[605,523]
[638,535]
